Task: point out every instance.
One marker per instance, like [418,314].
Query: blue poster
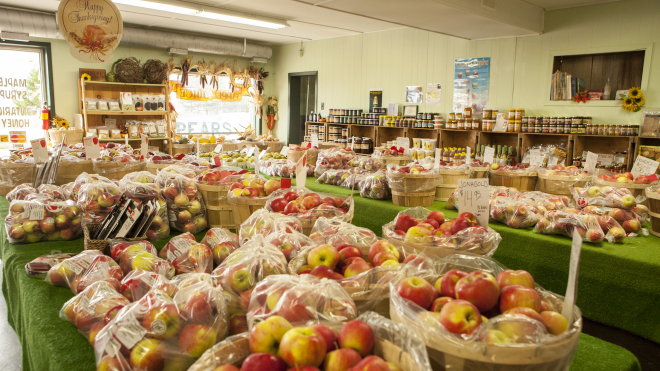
[471,78]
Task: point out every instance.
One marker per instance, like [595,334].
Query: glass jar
[520,112]
[612,129]
[574,129]
[545,120]
[452,116]
[560,121]
[467,112]
[459,115]
[538,127]
[512,113]
[576,120]
[587,120]
[357,145]
[635,130]
[553,121]
[523,125]
[617,130]
[531,120]
[553,129]
[545,129]
[367,145]
[516,126]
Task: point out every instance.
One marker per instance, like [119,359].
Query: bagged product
[138,283]
[97,199]
[263,222]
[143,192]
[48,220]
[222,242]
[134,258]
[186,211]
[20,192]
[118,246]
[515,214]
[414,177]
[102,268]
[308,206]
[376,187]
[604,196]
[290,242]
[71,270]
[337,233]
[588,226]
[188,256]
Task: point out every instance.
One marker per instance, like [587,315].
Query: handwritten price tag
[605,160]
[467,155]
[315,140]
[218,148]
[92,149]
[284,151]
[144,146]
[644,166]
[301,172]
[39,150]
[535,157]
[489,152]
[473,198]
[403,142]
[436,163]
[590,163]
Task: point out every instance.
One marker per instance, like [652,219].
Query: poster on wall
[93,28]
[414,94]
[471,78]
[375,99]
[433,94]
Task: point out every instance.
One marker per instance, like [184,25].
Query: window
[204,113]
[25,71]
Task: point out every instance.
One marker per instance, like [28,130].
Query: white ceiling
[323,19]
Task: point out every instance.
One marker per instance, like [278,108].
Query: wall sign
[471,80]
[189,93]
[93,28]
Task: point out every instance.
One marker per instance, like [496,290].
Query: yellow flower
[640,101]
[634,92]
[86,77]
[629,104]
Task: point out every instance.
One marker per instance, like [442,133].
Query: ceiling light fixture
[225,16]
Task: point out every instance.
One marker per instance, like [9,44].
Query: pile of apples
[366,163]
[337,233]
[375,187]
[515,168]
[162,158]
[561,170]
[391,152]
[285,168]
[136,284]
[290,242]
[255,187]
[219,176]
[278,346]
[119,153]
[413,169]
[627,178]
[264,222]
[407,228]
[462,301]
[34,221]
[307,204]
[186,211]
[334,177]
[603,196]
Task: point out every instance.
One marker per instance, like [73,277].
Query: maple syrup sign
[93,28]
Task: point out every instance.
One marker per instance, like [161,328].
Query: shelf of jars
[616,145]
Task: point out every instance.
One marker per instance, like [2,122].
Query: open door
[302,102]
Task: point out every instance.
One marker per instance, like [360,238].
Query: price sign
[315,140]
[39,150]
[605,160]
[574,267]
[468,155]
[218,148]
[403,142]
[644,166]
[284,151]
[353,144]
[590,163]
[473,197]
[144,145]
[256,162]
[197,148]
[535,157]
[436,163]
[250,151]
[489,153]
[301,172]
[92,149]
[499,123]
[217,161]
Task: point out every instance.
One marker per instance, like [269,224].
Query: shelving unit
[502,138]
[458,138]
[388,133]
[112,90]
[424,133]
[533,139]
[606,144]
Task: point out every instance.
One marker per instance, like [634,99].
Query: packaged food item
[186,211]
[70,271]
[126,101]
[304,204]
[102,105]
[587,226]
[375,186]
[263,222]
[336,233]
[188,256]
[138,283]
[91,104]
[118,246]
[20,192]
[291,242]
[104,133]
[138,257]
[160,102]
[97,199]
[113,105]
[515,214]
[139,105]
[604,196]
[39,267]
[222,242]
[48,220]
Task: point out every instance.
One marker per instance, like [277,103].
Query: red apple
[266,336]
[290,196]
[459,317]
[525,312]
[358,336]
[148,355]
[278,205]
[303,346]
[263,361]
[631,226]
[479,288]
[416,290]
[447,284]
[438,216]
[195,339]
[554,322]
[513,296]
[323,271]
[439,303]
[371,363]
[404,222]
[348,252]
[511,277]
[341,360]
[323,255]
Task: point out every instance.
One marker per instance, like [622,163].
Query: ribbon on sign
[400,149]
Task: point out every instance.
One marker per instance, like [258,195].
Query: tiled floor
[10,348]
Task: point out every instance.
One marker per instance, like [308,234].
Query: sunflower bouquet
[634,100]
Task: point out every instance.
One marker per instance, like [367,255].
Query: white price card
[590,163]
[353,143]
[644,166]
[250,151]
[256,161]
[605,160]
[128,330]
[535,157]
[392,109]
[301,171]
[92,149]
[284,151]
[126,139]
[489,153]
[197,150]
[39,150]
[499,123]
[315,140]
[218,148]
[438,155]
[573,270]
[403,142]
[473,197]
[144,146]
[468,155]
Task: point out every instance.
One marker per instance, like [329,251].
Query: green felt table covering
[51,343]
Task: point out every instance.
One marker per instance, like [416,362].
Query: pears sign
[93,28]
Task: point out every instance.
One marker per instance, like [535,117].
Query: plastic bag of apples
[304,204]
[263,222]
[591,195]
[20,192]
[187,255]
[299,299]
[141,255]
[337,233]
[484,315]
[371,342]
[142,192]
[630,220]
[290,242]
[181,169]
[138,283]
[161,330]
[375,186]
[34,221]
[82,179]
[515,214]
[186,211]
[590,227]
[423,229]
[82,270]
[222,243]
[253,187]
[97,199]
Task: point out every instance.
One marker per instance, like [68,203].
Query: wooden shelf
[122,83]
[604,144]
[129,139]
[128,113]
[462,131]
[554,134]
[503,132]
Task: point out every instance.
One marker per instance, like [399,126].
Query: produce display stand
[243,207]
[68,171]
[449,183]
[458,138]
[496,138]
[534,139]
[388,133]
[112,90]
[636,189]
[396,160]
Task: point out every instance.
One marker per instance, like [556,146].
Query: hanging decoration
[271,114]
[129,70]
[93,28]
[634,100]
[185,69]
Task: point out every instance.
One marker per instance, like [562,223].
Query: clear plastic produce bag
[306,205]
[97,199]
[590,227]
[186,211]
[290,242]
[118,246]
[138,283]
[222,242]
[263,222]
[187,255]
[35,221]
[375,187]
[336,233]
[20,192]
[515,214]
[134,258]
[605,196]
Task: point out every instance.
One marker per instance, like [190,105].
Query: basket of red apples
[333,158]
[475,314]
[414,184]
[371,342]
[492,190]
[636,186]
[308,206]
[608,196]
[249,195]
[186,211]
[426,230]
[160,330]
[20,192]
[521,177]
[392,156]
[559,179]
[214,185]
[591,228]
[43,220]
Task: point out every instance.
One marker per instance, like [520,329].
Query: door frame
[316,91]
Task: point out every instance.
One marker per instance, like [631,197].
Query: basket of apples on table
[413,184]
[653,196]
[361,263]
[214,185]
[71,165]
[451,172]
[395,156]
[117,161]
[636,186]
[369,342]
[308,206]
[428,231]
[558,180]
[296,152]
[250,193]
[159,161]
[521,177]
[475,314]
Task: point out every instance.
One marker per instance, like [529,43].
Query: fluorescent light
[177,51]
[259,60]
[15,36]
[242,20]
[158,6]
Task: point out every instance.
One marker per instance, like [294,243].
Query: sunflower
[629,104]
[640,101]
[86,77]
[634,92]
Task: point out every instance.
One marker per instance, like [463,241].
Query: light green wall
[65,70]
[349,66]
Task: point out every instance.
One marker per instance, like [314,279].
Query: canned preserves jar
[520,112]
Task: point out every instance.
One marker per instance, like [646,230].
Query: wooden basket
[559,184]
[655,223]
[443,191]
[219,211]
[454,356]
[182,148]
[479,172]
[235,351]
[450,183]
[13,174]
[270,146]
[408,183]
[296,155]
[100,245]
[206,147]
[424,199]
[635,189]
[396,160]
[242,208]
[155,168]
[521,182]
[72,136]
[117,170]
[653,199]
[361,297]
[67,172]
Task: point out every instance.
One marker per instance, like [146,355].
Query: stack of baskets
[15,173]
[411,190]
[523,182]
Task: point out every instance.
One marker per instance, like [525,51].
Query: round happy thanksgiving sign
[93,28]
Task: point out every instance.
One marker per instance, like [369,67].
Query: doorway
[302,102]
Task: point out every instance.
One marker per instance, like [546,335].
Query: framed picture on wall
[410,111]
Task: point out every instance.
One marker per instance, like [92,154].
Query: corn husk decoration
[186,66]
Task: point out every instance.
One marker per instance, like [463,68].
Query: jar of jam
[635,131]
[576,120]
[560,121]
[486,114]
[459,115]
[520,112]
[553,129]
[574,128]
[523,126]
[476,123]
[553,121]
[612,129]
[367,145]
[516,126]
[587,120]
[467,112]
[545,120]
[357,145]
[452,116]
[512,113]
[617,130]
[531,120]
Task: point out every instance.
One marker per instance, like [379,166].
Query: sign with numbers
[473,197]
[644,166]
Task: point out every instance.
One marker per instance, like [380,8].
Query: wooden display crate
[503,139]
[388,133]
[604,144]
[533,139]
[458,138]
